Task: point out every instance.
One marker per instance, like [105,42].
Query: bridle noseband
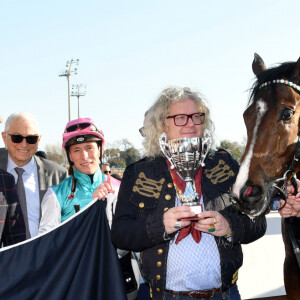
[283,189]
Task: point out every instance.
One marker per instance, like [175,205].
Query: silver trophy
[186,155]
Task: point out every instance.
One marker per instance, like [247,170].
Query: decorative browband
[282,81]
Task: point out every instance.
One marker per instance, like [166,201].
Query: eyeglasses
[18,138]
[142,131]
[182,119]
[107,172]
[81,126]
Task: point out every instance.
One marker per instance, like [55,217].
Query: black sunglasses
[107,172]
[18,138]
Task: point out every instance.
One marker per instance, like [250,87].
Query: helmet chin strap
[101,154]
[74,180]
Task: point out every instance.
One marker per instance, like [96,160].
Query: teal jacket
[83,193]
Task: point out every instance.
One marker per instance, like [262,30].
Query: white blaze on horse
[272,152]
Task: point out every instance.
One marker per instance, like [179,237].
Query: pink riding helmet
[84,129]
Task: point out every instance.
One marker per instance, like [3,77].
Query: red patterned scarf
[180,184]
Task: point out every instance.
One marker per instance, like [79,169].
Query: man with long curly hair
[180,258]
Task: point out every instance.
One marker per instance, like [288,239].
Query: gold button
[166,208]
[158,289]
[168,197]
[170,185]
[158,277]
[159,264]
[141,205]
[160,251]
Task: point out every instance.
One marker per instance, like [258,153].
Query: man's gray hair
[21,115]
[158,112]
[105,164]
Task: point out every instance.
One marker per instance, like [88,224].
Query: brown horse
[271,154]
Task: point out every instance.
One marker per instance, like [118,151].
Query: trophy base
[196,208]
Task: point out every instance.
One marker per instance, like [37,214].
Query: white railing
[262,272]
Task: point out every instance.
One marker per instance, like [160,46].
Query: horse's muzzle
[252,200]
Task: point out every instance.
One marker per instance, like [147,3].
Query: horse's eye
[286,114]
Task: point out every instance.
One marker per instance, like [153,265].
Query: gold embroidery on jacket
[219,173]
[235,276]
[148,187]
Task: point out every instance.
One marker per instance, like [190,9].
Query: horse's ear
[258,65]
[297,69]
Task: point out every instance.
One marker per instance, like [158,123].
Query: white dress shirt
[193,266]
[31,185]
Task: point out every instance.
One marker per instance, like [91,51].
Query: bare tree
[236,149]
[121,153]
[123,144]
[57,154]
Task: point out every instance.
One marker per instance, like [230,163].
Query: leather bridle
[290,173]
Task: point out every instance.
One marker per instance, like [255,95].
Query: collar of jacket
[85,179]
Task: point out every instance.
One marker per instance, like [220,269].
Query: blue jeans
[231,294]
[144,292]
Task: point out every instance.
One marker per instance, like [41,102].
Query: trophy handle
[206,145]
[164,147]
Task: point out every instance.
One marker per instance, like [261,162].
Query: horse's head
[272,121]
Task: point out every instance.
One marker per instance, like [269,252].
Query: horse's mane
[283,71]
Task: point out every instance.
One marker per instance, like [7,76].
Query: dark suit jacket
[49,172]
[12,227]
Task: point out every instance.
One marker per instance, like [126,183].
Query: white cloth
[31,185]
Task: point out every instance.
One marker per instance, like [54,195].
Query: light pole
[68,73]
[78,90]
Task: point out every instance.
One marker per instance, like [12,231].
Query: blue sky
[129,51]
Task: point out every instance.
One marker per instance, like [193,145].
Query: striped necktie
[22,199]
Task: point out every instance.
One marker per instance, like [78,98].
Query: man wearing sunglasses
[12,227]
[21,137]
[105,168]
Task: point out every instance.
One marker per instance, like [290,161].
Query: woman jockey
[84,145]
